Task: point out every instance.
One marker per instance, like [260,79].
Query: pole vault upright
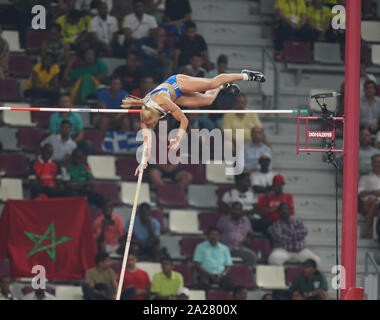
[351,147]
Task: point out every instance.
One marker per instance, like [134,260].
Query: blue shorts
[173,82]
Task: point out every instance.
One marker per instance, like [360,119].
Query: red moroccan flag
[54,233]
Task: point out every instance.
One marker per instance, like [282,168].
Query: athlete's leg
[197,99]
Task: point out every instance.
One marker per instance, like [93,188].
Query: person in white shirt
[138,24]
[369,194]
[261,181]
[104,29]
[39,294]
[364,76]
[370,107]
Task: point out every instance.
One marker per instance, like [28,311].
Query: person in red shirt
[108,229]
[268,205]
[135,278]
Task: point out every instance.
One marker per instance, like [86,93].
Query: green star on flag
[38,239]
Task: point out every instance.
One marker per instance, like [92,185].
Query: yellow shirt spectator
[318,18]
[249,121]
[70,32]
[291,8]
[44,76]
[166,286]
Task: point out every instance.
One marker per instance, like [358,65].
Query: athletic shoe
[231,88]
[254,75]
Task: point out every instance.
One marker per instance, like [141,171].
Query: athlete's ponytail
[132,102]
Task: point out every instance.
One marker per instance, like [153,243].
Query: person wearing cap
[288,239]
[311,284]
[261,181]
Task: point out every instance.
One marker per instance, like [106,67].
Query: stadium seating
[197,295]
[216,173]
[11,189]
[267,7]
[298,52]
[65,292]
[171,195]
[291,273]
[375,56]
[116,266]
[9,138]
[9,90]
[262,248]
[5,267]
[109,190]
[12,37]
[188,245]
[242,276]
[219,295]
[96,137]
[203,196]
[128,190]
[20,66]
[150,267]
[370,31]
[270,277]
[29,139]
[159,216]
[197,171]
[13,164]
[184,222]
[208,219]
[29,289]
[125,168]
[328,53]
[41,119]
[187,273]
[103,167]
[34,40]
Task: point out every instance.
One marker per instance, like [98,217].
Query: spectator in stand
[4,55]
[87,77]
[108,229]
[366,152]
[5,288]
[156,55]
[364,77]
[236,233]
[245,121]
[196,62]
[311,283]
[159,172]
[240,293]
[319,21]
[177,13]
[262,180]
[288,239]
[73,28]
[240,193]
[81,179]
[146,233]
[146,85]
[43,83]
[136,278]
[100,281]
[221,66]
[62,143]
[166,284]
[104,30]
[39,294]
[249,158]
[369,194]
[213,262]
[187,45]
[290,23]
[56,46]
[138,24]
[370,107]
[267,296]
[130,73]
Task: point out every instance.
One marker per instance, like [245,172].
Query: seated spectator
[146,85]
[240,193]
[138,24]
[187,45]
[156,55]
[319,21]
[62,143]
[39,294]
[43,83]
[311,284]
[73,28]
[366,152]
[213,262]
[196,62]
[267,296]
[104,31]
[100,281]
[269,205]
[262,180]
[240,293]
[56,46]
[166,284]
[364,77]
[5,289]
[174,172]
[136,278]
[108,229]
[87,77]
[146,233]
[290,23]
[249,154]
[177,12]
[236,233]
[130,73]
[369,194]
[288,239]
[370,107]
[183,294]
[81,178]
[221,66]
[245,121]
[4,55]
